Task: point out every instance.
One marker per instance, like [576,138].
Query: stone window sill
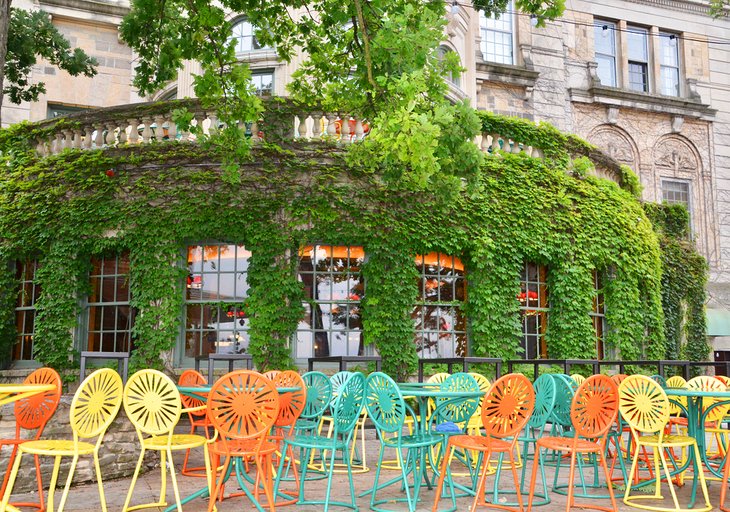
[515,75]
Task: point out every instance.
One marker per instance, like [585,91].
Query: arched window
[453,77]
[242,34]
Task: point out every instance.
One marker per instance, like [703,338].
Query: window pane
[439,322]
[263,83]
[669,60]
[674,192]
[25,272]
[242,34]
[637,41]
[604,36]
[332,323]
[215,293]
[638,77]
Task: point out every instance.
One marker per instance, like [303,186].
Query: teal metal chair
[346,412]
[319,395]
[544,388]
[388,411]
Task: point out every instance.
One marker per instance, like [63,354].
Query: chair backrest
[659,379]
[544,388]
[243,404]
[96,403]
[724,379]
[336,381]
[348,404]
[643,404]
[677,382]
[271,374]
[708,383]
[152,402]
[578,378]
[34,412]
[384,403]
[595,406]
[507,406]
[291,403]
[319,394]
[192,378]
[457,410]
[564,393]
[618,378]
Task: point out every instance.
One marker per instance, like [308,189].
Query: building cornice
[702,8]
[513,75]
[88,6]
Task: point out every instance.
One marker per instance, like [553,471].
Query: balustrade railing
[147,123]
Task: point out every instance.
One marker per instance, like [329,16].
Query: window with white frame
[452,76]
[605,47]
[215,294]
[598,314]
[678,192]
[333,289]
[638,58]
[497,36]
[263,81]
[110,317]
[244,37]
[669,64]
[438,316]
[25,311]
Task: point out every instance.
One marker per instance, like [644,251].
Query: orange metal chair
[243,406]
[593,412]
[197,416]
[291,406]
[33,413]
[506,409]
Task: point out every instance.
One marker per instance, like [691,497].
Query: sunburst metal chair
[243,406]
[33,413]
[153,405]
[506,408]
[346,411]
[196,414]
[645,407]
[593,412]
[93,408]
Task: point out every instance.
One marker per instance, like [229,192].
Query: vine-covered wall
[159,198]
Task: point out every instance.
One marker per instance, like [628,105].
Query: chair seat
[242,447]
[53,447]
[321,442]
[413,440]
[178,442]
[481,443]
[667,440]
[568,444]
[304,424]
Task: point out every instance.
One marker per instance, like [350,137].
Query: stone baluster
[41,149]
[214,128]
[67,138]
[302,128]
[134,131]
[255,132]
[99,139]
[123,137]
[199,118]
[76,141]
[111,134]
[160,132]
[57,144]
[88,136]
[514,147]
[359,130]
[172,130]
[146,130]
[316,125]
[495,143]
[345,129]
[331,129]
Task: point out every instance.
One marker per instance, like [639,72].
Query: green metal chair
[388,411]
[346,412]
[544,388]
[319,395]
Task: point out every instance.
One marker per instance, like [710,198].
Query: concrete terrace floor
[86,498]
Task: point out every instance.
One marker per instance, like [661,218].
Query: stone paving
[85,497]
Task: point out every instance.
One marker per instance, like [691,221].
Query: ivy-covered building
[147,245]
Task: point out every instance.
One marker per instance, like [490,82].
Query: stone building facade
[647,81]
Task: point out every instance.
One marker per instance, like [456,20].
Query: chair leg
[11,481]
[218,484]
[537,461]
[39,479]
[54,482]
[571,477]
[609,484]
[134,481]
[67,487]
[173,477]
[723,487]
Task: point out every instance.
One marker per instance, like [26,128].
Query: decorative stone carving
[676,155]
[612,115]
[616,143]
[677,123]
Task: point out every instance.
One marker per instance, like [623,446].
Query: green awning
[718,322]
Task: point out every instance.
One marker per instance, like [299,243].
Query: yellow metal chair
[153,405]
[93,408]
[645,407]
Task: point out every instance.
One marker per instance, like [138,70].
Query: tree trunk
[4,28]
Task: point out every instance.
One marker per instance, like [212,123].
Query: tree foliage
[374,58]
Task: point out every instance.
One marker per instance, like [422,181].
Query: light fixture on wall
[533,20]
[672,40]
[605,31]
[454,7]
